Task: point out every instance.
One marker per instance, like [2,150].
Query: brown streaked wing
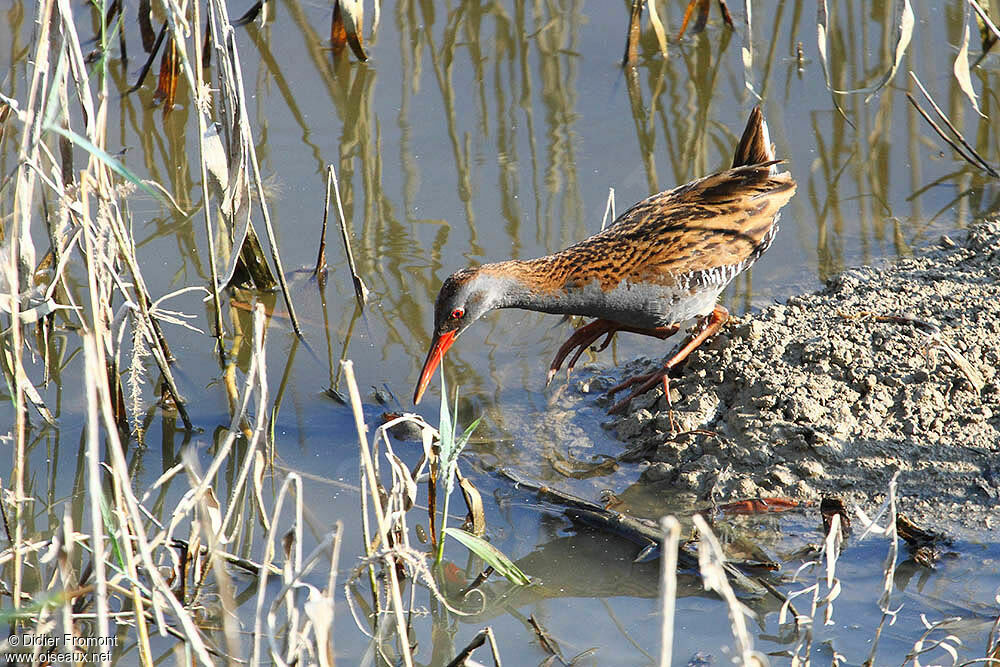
[713,222]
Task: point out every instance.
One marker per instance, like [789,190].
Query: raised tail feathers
[755,145]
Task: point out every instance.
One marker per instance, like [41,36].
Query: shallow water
[479,132]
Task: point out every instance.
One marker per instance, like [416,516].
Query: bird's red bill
[439,346]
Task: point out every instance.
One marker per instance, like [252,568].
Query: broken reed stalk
[668,585]
[380,518]
[320,271]
[609,208]
[973,157]
[360,290]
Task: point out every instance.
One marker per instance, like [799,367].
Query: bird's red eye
[458,314]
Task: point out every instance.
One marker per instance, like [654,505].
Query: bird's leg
[589,334]
[707,326]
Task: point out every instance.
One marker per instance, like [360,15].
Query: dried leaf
[319,610]
[654,20]
[700,22]
[354,20]
[166,87]
[903,36]
[961,69]
[214,157]
[402,474]
[338,33]
[474,501]
[212,507]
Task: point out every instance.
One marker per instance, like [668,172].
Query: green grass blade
[464,439]
[107,159]
[109,529]
[491,555]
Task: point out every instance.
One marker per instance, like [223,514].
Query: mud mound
[886,368]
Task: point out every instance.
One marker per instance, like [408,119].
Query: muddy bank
[886,368]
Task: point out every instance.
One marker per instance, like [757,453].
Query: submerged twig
[972,157]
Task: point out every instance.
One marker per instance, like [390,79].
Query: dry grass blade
[889,567]
[94,486]
[320,271]
[747,51]
[474,503]
[213,160]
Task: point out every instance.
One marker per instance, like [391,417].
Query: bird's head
[465,296]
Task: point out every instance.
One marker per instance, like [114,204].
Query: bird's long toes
[646,382]
[619,407]
[625,384]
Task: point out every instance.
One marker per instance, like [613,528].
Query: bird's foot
[588,334]
[646,382]
[581,340]
[705,328]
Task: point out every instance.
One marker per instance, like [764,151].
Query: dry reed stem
[290,481]
[711,558]
[889,567]
[668,585]
[246,136]
[94,488]
[200,95]
[380,519]
[22,261]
